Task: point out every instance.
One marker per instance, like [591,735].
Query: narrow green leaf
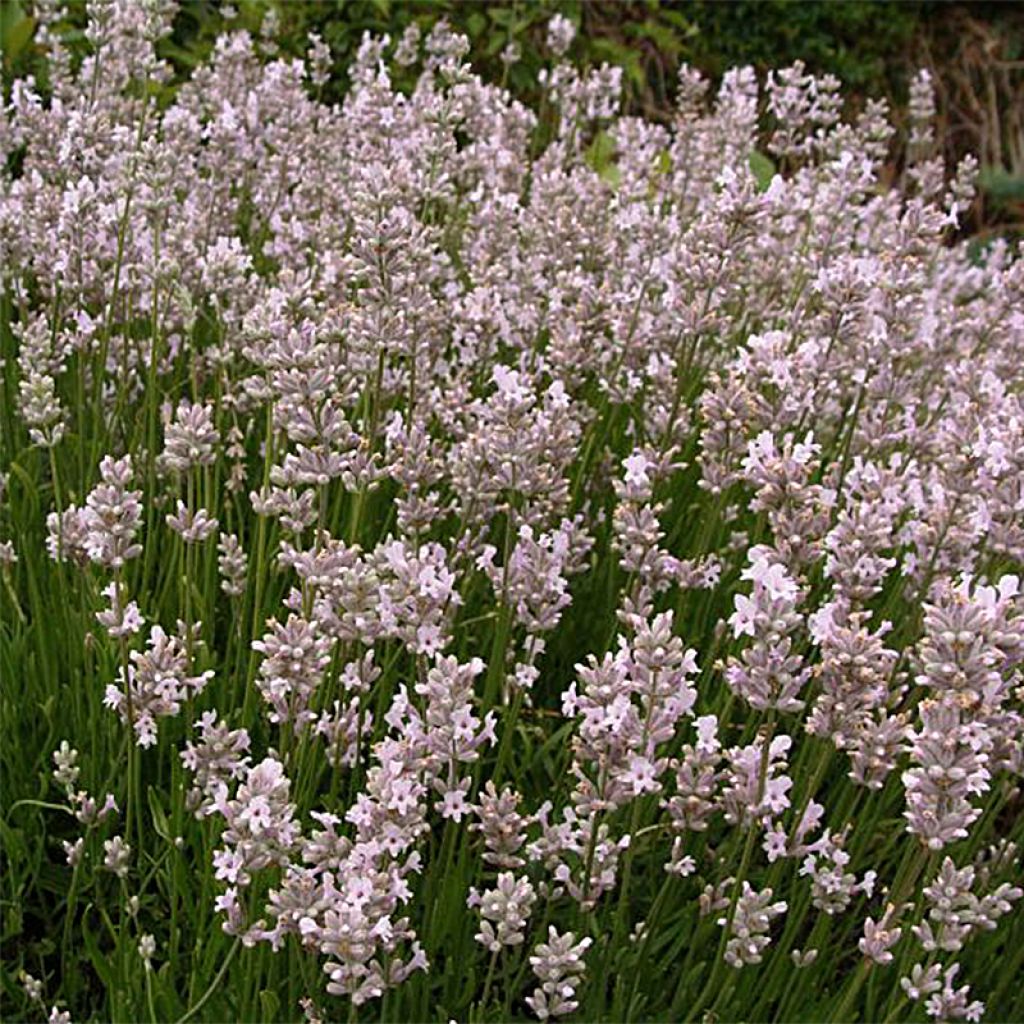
[763,168]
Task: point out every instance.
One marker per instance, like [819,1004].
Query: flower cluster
[527,532]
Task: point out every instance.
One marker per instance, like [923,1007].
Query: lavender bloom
[535,580]
[121,619]
[343,727]
[955,911]
[922,981]
[260,827]
[39,364]
[192,527]
[855,670]
[558,965]
[580,853]
[452,365]
[629,705]
[750,795]
[33,987]
[951,766]
[116,856]
[561,32]
[295,655]
[502,826]
[748,930]
[220,756]
[768,674]
[232,564]
[112,515]
[832,886]
[449,731]
[504,911]
[66,770]
[66,536]
[158,682]
[190,438]
[697,776]
[951,1003]
[880,938]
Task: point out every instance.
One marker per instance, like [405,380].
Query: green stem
[748,851]
[842,1011]
[213,984]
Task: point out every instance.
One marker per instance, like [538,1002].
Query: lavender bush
[467,562]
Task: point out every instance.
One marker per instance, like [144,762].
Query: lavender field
[466,562]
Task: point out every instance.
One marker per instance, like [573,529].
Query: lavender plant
[466,562]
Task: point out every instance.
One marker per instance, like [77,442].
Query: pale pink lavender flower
[535,579]
[260,827]
[343,728]
[628,705]
[524,385]
[155,684]
[192,527]
[558,965]
[951,1003]
[504,911]
[113,515]
[756,787]
[73,851]
[123,618]
[116,856]
[580,853]
[956,911]
[880,937]
[220,756]
[88,812]
[233,565]
[32,987]
[66,770]
[950,766]
[190,438]
[749,926]
[561,32]
[502,826]
[295,656]
[695,794]
[922,981]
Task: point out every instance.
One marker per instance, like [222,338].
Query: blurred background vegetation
[974,50]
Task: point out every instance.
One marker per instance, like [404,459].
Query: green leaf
[681,22]
[495,43]
[270,1003]
[660,35]
[503,16]
[13,923]
[99,960]
[11,14]
[600,158]
[15,38]
[160,823]
[763,169]
[1001,185]
[13,842]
